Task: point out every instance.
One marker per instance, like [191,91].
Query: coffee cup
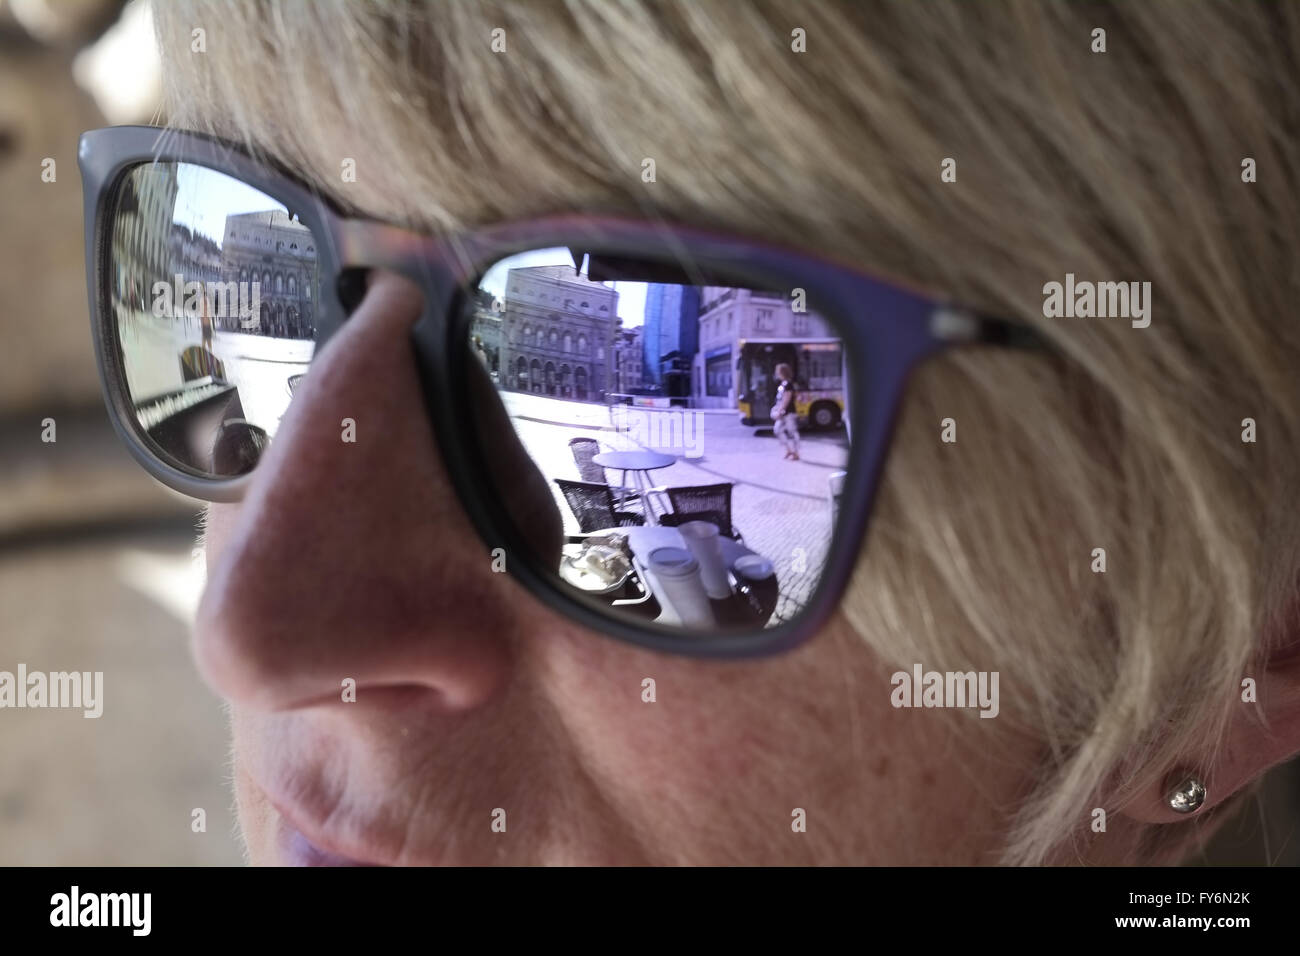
[677,573]
[702,539]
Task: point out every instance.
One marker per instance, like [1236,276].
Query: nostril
[352,288]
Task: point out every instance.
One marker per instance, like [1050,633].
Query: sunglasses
[671,436]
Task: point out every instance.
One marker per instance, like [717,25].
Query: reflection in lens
[691,432]
[213,287]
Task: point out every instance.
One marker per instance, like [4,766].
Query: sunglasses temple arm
[967,328]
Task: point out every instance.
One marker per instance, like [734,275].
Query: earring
[1188,793]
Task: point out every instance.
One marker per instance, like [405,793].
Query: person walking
[785,416]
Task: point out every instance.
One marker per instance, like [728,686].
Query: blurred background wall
[96,570]
[95,557]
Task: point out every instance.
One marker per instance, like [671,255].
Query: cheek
[682,735]
[218,520]
[258,820]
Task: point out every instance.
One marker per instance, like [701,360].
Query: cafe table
[639,463]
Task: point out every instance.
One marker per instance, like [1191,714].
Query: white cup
[754,567]
[702,538]
[678,575]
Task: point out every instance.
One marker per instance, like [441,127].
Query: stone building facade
[142,229]
[557,333]
[279,253]
[194,256]
[485,330]
[629,360]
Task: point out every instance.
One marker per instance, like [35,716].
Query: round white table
[640,464]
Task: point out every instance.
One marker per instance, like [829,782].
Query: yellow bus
[818,365]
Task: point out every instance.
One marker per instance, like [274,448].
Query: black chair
[700,503]
[593,505]
[586,449]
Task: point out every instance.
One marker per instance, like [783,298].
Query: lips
[301,846]
[297,850]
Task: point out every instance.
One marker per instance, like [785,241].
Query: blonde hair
[1122,165]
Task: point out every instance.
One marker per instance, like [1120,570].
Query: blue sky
[205,198]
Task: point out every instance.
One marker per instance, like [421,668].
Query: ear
[1260,735]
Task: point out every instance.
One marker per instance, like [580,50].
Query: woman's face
[486,728]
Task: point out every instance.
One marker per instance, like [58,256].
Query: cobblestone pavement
[782,508]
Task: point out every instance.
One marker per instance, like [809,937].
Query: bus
[818,365]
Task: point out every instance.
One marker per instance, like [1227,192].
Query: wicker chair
[586,449]
[700,503]
[592,504]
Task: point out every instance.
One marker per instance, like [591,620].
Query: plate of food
[597,569]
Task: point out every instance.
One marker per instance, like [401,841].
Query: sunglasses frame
[905,327]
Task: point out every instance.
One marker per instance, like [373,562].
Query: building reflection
[279,254]
[557,333]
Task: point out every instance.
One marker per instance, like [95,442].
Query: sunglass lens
[690,430]
[213,289]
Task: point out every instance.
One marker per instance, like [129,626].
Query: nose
[353,559]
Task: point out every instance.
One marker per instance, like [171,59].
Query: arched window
[582,345]
[266,280]
[535,376]
[586,307]
[580,382]
[293,285]
[279,283]
[527,334]
[568,343]
[243,275]
[554,339]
